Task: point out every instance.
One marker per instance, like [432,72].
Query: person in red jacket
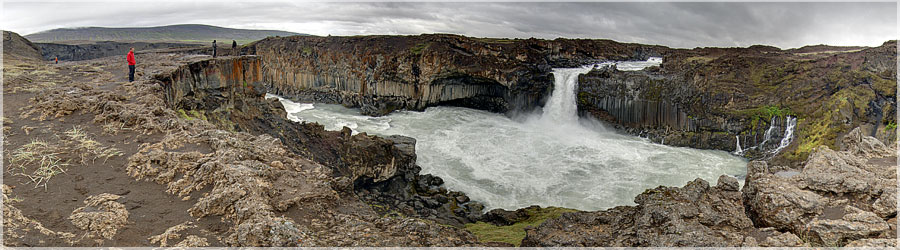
[131,62]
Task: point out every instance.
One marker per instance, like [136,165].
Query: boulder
[694,215]
[856,224]
[837,197]
[782,240]
[879,243]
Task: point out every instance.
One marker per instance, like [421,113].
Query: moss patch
[191,114]
[760,116]
[418,48]
[514,233]
[847,104]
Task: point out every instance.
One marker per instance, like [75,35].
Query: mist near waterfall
[549,158]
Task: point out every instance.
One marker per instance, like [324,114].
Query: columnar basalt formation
[230,93]
[380,74]
[718,98]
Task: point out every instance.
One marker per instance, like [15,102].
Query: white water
[737,146]
[788,133]
[769,131]
[554,159]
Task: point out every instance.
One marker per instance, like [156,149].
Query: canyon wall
[710,98]
[230,93]
[87,51]
[380,74]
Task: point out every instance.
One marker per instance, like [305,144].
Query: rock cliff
[710,98]
[838,198]
[87,51]
[230,93]
[380,74]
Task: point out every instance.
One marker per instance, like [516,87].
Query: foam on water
[549,160]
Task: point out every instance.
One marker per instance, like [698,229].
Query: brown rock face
[838,196]
[711,97]
[229,93]
[380,74]
[694,215]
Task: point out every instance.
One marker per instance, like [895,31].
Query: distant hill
[171,33]
[14,46]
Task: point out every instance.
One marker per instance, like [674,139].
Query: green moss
[884,86]
[191,114]
[890,126]
[418,48]
[307,51]
[514,233]
[584,98]
[199,115]
[495,40]
[762,114]
[183,115]
[824,126]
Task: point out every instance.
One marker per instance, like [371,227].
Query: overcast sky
[684,25]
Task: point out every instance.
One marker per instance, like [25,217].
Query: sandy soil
[81,173]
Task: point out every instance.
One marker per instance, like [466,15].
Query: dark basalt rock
[709,98]
[695,215]
[87,51]
[381,171]
[380,74]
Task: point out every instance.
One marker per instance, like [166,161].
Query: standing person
[214,48]
[131,63]
[234,48]
[57,59]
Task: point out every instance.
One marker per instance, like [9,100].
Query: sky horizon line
[592,38]
[670,24]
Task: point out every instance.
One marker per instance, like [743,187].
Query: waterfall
[562,108]
[788,133]
[737,147]
[769,132]
[543,161]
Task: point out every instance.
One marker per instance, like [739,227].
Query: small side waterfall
[737,146]
[547,160]
[769,132]
[788,133]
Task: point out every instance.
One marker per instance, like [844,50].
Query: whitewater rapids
[548,159]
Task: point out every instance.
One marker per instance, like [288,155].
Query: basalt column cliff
[380,74]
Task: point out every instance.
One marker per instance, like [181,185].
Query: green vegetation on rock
[416,50]
[514,233]
[191,114]
[890,126]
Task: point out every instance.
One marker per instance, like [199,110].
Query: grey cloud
[672,24]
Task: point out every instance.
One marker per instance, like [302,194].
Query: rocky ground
[838,198]
[191,154]
[122,169]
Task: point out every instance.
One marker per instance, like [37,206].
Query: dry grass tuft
[170,234]
[87,148]
[40,152]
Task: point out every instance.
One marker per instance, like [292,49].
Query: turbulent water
[549,159]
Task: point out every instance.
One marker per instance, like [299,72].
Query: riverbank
[141,164]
